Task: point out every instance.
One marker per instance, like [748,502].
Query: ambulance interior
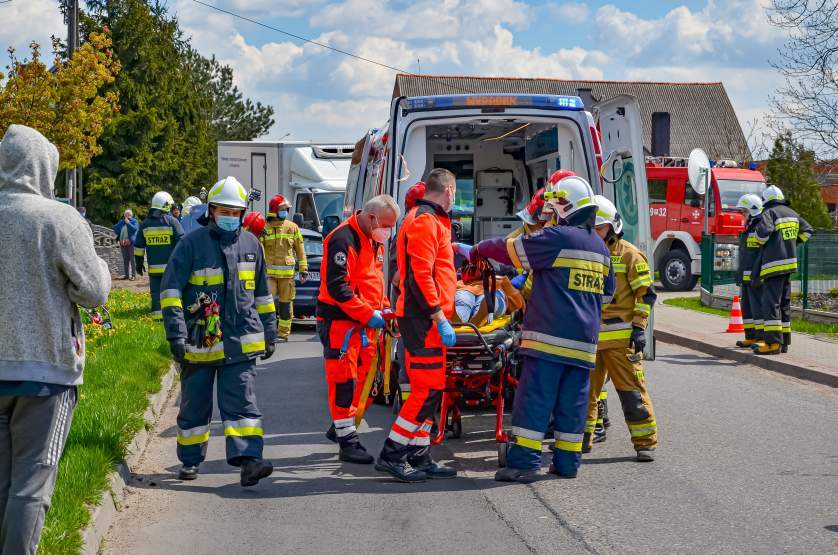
[498,163]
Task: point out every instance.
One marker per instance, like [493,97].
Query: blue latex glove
[519,281]
[377,321]
[462,249]
[446,331]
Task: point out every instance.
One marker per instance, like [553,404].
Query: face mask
[282,214]
[381,234]
[228,223]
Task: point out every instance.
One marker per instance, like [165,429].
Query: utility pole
[73,176]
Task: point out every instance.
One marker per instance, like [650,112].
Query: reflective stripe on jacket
[778,231]
[229,267]
[749,247]
[157,238]
[634,296]
[284,248]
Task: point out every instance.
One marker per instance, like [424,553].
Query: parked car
[305,302]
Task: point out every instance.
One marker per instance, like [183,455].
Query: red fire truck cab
[676,212]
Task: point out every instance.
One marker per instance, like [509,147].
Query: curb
[104,514]
[766,362]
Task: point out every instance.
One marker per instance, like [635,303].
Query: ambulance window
[372,183]
[657,190]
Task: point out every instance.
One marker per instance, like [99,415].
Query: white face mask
[381,234]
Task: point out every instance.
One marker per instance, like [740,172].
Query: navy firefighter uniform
[157,238]
[229,268]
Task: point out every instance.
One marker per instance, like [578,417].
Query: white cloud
[25,21]
[570,12]
[273,8]
[328,120]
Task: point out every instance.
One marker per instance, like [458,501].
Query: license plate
[312,276]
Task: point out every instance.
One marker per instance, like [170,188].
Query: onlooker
[126,234]
[176,211]
[44,276]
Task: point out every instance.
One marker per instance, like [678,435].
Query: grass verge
[124,366]
[803,326]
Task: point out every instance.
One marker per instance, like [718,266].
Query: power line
[332,48]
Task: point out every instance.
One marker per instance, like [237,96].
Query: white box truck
[311,175]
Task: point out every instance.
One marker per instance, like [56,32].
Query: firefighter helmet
[752,203]
[606,213]
[532,212]
[162,201]
[254,222]
[189,203]
[228,193]
[555,177]
[276,203]
[772,192]
[569,195]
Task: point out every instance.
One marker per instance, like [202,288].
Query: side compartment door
[624,176]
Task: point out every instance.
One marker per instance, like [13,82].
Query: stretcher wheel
[503,448]
[456,428]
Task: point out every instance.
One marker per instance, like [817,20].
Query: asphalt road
[748,462]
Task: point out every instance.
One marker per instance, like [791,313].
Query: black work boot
[586,442]
[519,475]
[254,469]
[355,453]
[433,469]
[400,470]
[188,472]
[331,434]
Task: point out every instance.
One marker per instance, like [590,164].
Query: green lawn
[803,326]
[124,365]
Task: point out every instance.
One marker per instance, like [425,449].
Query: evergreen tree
[791,169]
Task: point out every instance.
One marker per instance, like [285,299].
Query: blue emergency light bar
[492,101]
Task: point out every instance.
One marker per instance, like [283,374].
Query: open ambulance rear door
[624,177]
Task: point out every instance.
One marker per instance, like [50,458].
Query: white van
[311,175]
[502,148]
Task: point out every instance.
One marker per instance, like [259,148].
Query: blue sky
[322,95]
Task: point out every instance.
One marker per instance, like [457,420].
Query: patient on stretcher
[470,300]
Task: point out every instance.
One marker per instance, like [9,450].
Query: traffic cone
[736,324]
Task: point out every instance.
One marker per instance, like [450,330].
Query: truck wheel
[675,273]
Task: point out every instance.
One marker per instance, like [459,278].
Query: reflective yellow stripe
[245,275]
[642,307]
[171,302]
[643,429]
[157,232]
[193,440]
[205,357]
[619,268]
[139,251]
[206,280]
[246,431]
[612,335]
[773,328]
[589,265]
[603,396]
[528,443]
[781,268]
[510,250]
[253,347]
[560,351]
[645,279]
[572,446]
[590,426]
[266,308]
[280,273]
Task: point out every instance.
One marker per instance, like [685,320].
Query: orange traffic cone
[736,324]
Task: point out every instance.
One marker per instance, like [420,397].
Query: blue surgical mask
[282,214]
[228,223]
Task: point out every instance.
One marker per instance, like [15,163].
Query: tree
[808,101]
[232,117]
[791,169]
[67,103]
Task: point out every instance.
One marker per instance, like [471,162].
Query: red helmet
[558,175]
[531,214]
[276,203]
[254,222]
[416,191]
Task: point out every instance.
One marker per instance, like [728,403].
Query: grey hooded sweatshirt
[48,266]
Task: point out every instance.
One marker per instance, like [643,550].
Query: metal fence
[814,286]
[107,247]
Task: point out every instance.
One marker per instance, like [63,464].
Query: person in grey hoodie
[49,267]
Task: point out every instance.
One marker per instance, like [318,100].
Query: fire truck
[676,213]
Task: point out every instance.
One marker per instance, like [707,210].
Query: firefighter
[428,283]
[778,231]
[219,317]
[350,310]
[283,244]
[254,222]
[158,236]
[622,337]
[751,207]
[572,279]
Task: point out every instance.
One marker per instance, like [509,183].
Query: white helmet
[228,192]
[606,213]
[752,203]
[569,195]
[189,203]
[772,192]
[162,201]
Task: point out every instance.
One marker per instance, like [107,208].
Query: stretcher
[480,370]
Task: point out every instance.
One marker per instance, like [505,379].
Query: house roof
[701,114]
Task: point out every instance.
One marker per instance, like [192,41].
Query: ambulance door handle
[674,219]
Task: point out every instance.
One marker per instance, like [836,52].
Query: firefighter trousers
[283,291]
[630,383]
[154,286]
[751,313]
[546,389]
[424,361]
[776,309]
[241,418]
[347,363]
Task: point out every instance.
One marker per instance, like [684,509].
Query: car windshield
[329,204]
[313,246]
[730,191]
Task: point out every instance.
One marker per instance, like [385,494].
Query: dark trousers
[241,418]
[32,435]
[776,309]
[154,282]
[751,312]
[128,261]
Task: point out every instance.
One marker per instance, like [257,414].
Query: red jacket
[425,258]
[352,277]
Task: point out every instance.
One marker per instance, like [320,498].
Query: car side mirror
[297,219]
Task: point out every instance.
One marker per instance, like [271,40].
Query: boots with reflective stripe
[745,343]
[765,349]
